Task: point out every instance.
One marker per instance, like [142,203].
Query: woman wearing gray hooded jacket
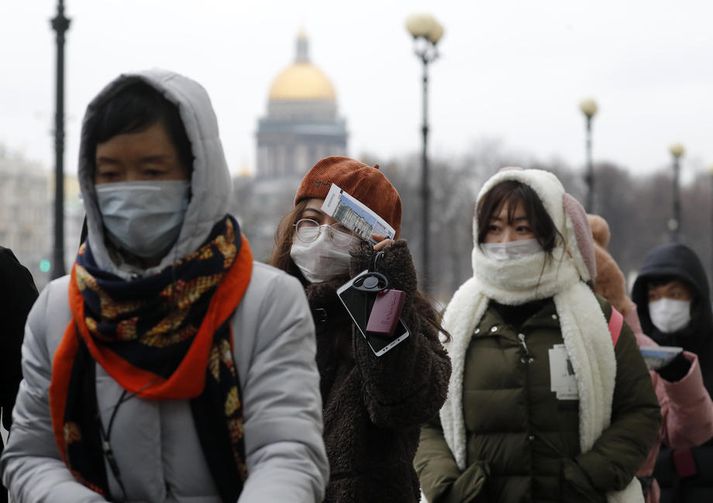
[168,367]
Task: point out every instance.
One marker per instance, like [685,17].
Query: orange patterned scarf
[165,336]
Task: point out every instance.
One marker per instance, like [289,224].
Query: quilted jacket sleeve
[407,385]
[285,452]
[31,466]
[441,480]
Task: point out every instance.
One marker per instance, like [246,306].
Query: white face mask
[144,218]
[670,315]
[321,260]
[511,249]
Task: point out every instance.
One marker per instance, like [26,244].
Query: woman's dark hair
[134,107]
[282,260]
[283,241]
[510,193]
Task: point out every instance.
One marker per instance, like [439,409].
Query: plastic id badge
[359,305]
[563,381]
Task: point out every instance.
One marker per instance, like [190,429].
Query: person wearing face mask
[373,406]
[686,407]
[168,367]
[673,303]
[549,399]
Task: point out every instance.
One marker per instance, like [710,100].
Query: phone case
[359,305]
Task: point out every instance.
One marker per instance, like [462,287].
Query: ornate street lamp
[60,24]
[674,225]
[589,109]
[426,32]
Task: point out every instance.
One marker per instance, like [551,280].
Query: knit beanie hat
[365,183]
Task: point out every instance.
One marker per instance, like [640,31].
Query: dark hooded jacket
[685,475]
[17,295]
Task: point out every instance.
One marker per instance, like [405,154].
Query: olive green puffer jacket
[522,441]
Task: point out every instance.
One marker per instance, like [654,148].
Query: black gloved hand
[676,369]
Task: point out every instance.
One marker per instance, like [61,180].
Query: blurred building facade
[302,124]
[25,212]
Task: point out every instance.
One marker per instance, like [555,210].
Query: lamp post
[426,32]
[674,225]
[60,24]
[589,109]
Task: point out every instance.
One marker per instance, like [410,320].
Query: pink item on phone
[386,312]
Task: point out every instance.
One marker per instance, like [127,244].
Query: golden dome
[302,80]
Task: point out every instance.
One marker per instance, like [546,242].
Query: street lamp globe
[677,150]
[420,25]
[426,27]
[588,107]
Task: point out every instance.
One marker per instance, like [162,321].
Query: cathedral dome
[302,81]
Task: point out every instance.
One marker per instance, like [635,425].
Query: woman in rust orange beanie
[373,406]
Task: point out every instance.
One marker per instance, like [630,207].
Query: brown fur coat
[374,406]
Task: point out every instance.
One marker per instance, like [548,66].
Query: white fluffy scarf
[584,327]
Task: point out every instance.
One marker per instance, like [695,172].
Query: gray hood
[211,184]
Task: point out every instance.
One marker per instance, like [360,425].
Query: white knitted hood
[552,194]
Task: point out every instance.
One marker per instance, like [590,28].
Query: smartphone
[358,305]
[657,357]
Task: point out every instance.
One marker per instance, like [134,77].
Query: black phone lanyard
[106,444]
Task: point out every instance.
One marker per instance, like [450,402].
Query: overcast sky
[511,70]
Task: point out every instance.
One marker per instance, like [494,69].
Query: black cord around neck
[106,444]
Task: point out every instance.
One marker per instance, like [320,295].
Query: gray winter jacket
[155,443]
